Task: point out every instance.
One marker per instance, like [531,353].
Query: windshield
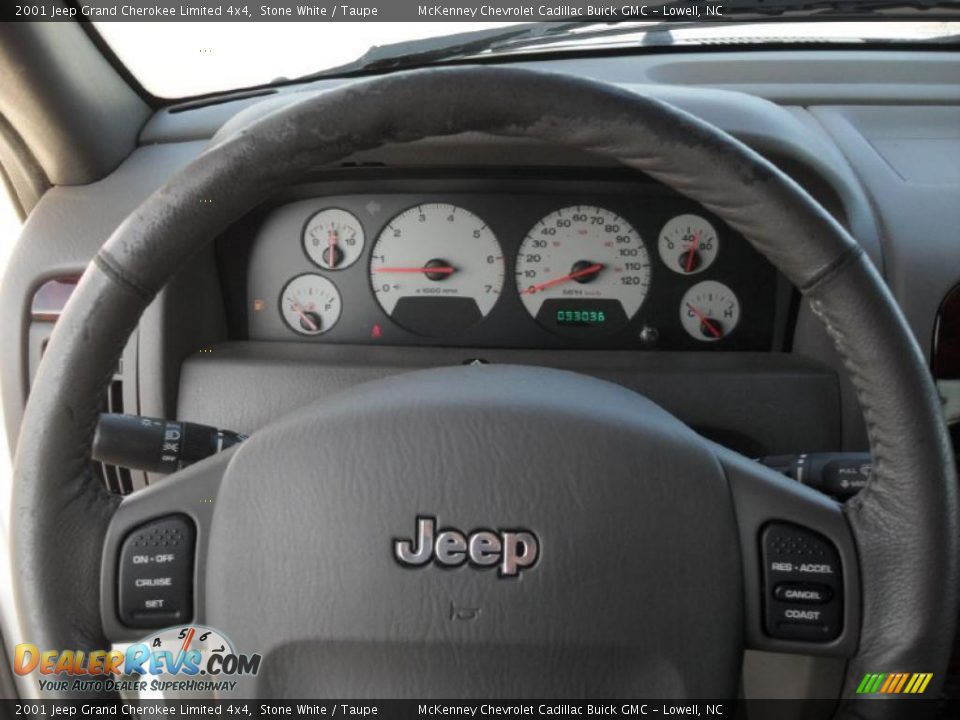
[176,60]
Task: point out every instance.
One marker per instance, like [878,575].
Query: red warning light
[376,331]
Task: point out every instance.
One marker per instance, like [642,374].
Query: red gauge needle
[692,253]
[440,270]
[304,317]
[590,270]
[188,639]
[332,248]
[705,321]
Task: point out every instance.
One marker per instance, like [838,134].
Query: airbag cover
[635,592]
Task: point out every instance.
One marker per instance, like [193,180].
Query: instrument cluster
[508,270]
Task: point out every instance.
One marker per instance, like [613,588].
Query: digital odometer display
[581,317]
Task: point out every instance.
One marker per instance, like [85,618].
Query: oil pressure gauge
[310,304]
[688,244]
[709,311]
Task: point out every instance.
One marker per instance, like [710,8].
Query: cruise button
[806,593]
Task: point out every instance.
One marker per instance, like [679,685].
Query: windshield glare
[176,60]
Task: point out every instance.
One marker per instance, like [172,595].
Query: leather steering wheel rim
[905,523]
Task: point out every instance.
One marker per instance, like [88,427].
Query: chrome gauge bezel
[566,245]
[355,251]
[709,246]
[694,317]
[330,286]
[467,268]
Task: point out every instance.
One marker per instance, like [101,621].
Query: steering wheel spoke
[800,566]
[154,553]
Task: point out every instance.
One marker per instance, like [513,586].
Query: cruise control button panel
[802,584]
[156,573]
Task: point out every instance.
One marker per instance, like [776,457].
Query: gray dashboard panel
[758,403]
[909,159]
[59,239]
[788,77]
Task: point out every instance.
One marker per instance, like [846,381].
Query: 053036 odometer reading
[583,271]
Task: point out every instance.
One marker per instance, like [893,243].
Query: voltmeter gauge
[688,244]
[333,239]
[310,304]
[709,311]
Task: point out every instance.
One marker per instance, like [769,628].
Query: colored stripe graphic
[903,680]
[894,683]
[886,683]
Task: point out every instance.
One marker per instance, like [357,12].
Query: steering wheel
[491,530]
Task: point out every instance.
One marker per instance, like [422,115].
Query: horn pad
[317,559]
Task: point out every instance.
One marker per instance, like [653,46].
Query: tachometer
[436,269]
[583,271]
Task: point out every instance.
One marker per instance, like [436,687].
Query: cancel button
[803,593]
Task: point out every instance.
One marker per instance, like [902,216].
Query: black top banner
[374,10]
[507,11]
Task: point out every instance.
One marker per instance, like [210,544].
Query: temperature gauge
[688,244]
[333,239]
[310,304]
[709,311]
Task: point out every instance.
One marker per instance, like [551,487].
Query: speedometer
[583,271]
[436,269]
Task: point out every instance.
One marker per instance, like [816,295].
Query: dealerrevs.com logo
[189,658]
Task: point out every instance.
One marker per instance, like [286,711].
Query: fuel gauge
[709,311]
[310,304]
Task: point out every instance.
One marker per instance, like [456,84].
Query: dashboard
[552,264]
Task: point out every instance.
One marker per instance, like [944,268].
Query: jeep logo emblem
[511,550]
